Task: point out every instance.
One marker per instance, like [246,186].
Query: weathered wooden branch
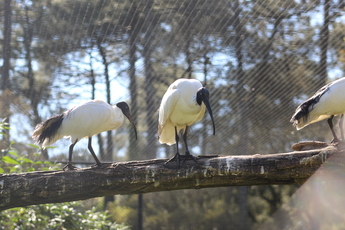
[136,177]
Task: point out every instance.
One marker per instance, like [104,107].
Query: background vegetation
[259,60]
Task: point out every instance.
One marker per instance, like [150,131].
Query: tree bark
[324,38]
[243,143]
[136,177]
[133,149]
[5,69]
[6,48]
[93,92]
[150,91]
[109,155]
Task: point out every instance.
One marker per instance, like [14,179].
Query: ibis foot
[69,167]
[97,165]
[190,157]
[177,157]
[335,140]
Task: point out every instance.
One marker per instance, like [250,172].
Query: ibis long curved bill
[135,129]
[205,99]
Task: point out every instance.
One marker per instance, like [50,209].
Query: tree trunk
[6,49]
[5,84]
[93,91]
[204,121]
[133,150]
[138,177]
[140,212]
[31,92]
[109,154]
[243,116]
[150,91]
[324,37]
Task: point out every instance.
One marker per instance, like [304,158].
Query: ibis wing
[167,106]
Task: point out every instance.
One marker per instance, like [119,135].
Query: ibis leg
[69,165]
[89,146]
[330,123]
[188,155]
[341,126]
[177,155]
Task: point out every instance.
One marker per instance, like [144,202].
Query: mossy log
[135,177]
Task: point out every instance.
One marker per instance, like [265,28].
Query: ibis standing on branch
[82,121]
[183,104]
[326,103]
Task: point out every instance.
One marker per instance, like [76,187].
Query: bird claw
[69,167]
[189,156]
[177,157]
[97,166]
[335,140]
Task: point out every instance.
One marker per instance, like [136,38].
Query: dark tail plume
[46,130]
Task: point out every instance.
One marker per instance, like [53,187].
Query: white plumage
[182,105]
[82,121]
[326,103]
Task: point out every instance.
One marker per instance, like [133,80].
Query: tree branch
[136,177]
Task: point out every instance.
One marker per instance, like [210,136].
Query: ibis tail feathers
[166,134]
[45,133]
[304,115]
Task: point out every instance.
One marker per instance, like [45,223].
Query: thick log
[136,177]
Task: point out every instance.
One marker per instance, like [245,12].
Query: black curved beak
[128,115]
[125,110]
[208,107]
[203,95]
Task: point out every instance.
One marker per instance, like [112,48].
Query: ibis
[327,102]
[183,104]
[82,121]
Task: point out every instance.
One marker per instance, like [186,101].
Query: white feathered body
[328,101]
[179,109]
[84,120]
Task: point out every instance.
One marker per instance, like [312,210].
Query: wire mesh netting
[258,59]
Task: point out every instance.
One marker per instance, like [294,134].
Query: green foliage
[124,210]
[3,126]
[212,208]
[271,52]
[12,162]
[47,216]
[56,216]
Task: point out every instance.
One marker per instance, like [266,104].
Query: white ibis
[182,105]
[82,121]
[326,103]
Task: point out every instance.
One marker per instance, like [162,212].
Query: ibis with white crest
[327,102]
[183,104]
[82,121]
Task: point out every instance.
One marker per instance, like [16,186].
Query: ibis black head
[125,110]
[202,95]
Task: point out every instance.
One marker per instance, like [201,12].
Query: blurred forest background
[259,60]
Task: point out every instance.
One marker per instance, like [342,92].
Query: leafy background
[259,60]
